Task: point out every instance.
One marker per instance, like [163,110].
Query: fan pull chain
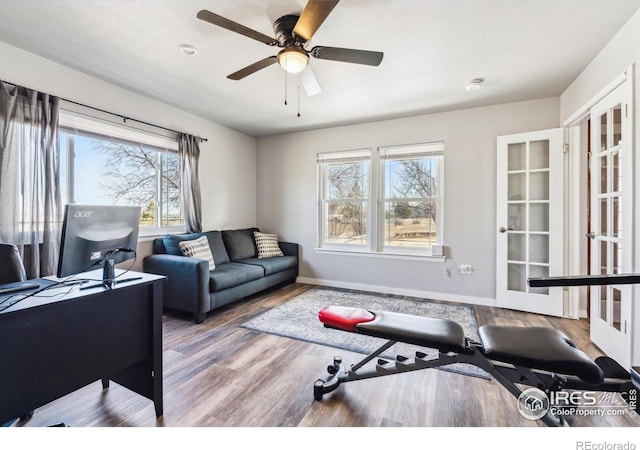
[285,87]
[298,98]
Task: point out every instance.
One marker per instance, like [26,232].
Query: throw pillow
[267,245]
[171,242]
[198,248]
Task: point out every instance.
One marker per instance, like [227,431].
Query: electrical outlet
[466,269]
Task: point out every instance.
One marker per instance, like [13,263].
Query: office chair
[11,270]
[11,267]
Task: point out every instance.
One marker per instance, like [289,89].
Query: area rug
[298,319]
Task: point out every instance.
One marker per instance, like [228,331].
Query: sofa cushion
[158,247]
[240,244]
[216,244]
[267,245]
[233,274]
[172,242]
[272,265]
[198,248]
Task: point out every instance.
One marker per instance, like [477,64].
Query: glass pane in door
[603,132]
[603,303]
[617,305]
[615,217]
[617,125]
[517,156]
[539,271]
[517,187]
[517,217]
[539,217]
[517,277]
[603,174]
[615,161]
[539,186]
[603,216]
[517,250]
[539,248]
[603,257]
[616,258]
[539,155]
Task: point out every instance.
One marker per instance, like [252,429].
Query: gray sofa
[238,272]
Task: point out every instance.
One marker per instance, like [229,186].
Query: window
[383,201]
[103,163]
[411,182]
[345,197]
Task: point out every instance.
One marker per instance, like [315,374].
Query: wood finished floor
[218,374]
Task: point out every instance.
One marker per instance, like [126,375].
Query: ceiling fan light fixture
[293,59]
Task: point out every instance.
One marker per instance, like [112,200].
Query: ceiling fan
[292,33]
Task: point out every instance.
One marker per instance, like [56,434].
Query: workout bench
[533,356]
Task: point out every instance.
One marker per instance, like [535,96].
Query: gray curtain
[189,148]
[30,206]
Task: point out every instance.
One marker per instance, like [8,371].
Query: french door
[530,217]
[611,222]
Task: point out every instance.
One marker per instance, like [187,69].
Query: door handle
[503,229]
[591,235]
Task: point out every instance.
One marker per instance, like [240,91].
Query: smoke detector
[188,49]
[474,84]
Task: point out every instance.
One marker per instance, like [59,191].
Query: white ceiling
[524,49]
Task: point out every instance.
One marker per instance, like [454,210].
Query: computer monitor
[95,236]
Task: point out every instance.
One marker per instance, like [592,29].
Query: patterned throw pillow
[267,245]
[198,248]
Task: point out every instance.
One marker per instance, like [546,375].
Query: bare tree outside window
[411,206]
[102,170]
[130,175]
[346,195]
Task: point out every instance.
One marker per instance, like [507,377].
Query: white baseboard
[582,314]
[481,301]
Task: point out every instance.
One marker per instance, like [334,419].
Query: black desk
[52,345]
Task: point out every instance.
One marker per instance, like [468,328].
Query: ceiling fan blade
[230,25]
[348,55]
[310,82]
[312,17]
[252,68]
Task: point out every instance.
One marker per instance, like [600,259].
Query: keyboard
[17,287]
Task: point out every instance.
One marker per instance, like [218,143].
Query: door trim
[584,111]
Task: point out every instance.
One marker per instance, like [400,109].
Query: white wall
[227,159]
[620,53]
[287,197]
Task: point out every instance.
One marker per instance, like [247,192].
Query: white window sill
[149,234]
[385,255]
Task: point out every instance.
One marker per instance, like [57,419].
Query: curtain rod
[124,118]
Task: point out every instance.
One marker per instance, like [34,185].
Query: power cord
[65,282]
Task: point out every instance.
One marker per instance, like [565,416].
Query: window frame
[376,199]
[404,153]
[73,124]
[347,157]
